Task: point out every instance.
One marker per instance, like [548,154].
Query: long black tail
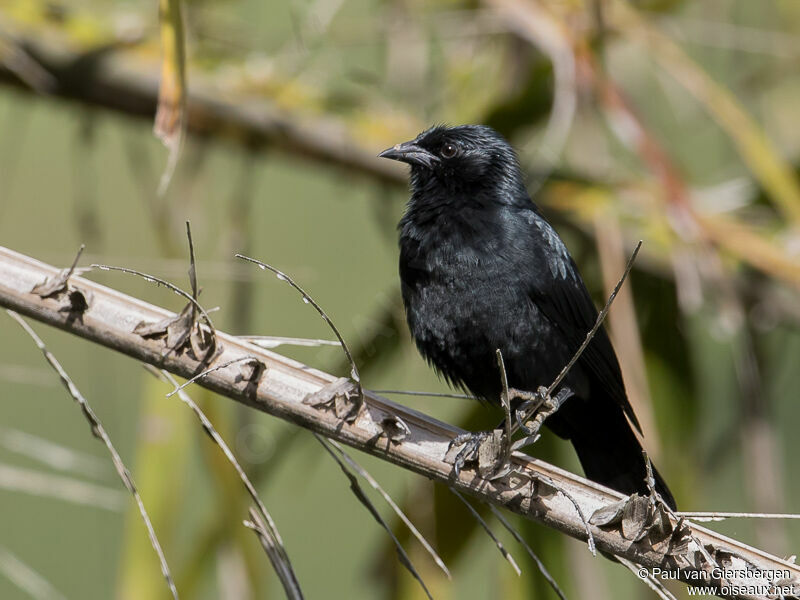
[607,447]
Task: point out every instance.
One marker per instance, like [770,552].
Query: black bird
[482,270]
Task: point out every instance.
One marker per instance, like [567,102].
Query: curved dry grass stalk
[99,431]
[179,388]
[600,318]
[589,336]
[521,541]
[274,548]
[398,511]
[721,516]
[485,526]
[266,525]
[650,581]
[365,501]
[425,394]
[309,300]
[274,341]
[166,284]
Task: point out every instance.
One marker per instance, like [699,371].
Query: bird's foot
[486,448]
[531,414]
[491,450]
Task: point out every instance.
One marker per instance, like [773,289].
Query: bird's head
[467,158]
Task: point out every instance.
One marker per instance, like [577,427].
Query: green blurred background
[675,123]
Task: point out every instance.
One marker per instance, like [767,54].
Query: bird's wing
[559,292]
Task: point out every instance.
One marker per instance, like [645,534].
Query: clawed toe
[469,443]
[530,415]
[483,447]
[491,450]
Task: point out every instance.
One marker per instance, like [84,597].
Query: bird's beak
[411,153]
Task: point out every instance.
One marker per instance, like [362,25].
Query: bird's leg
[492,449]
[539,407]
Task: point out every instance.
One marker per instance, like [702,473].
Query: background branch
[99,79]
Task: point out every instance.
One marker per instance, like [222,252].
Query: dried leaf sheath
[170,122]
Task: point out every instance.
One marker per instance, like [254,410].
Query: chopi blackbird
[481,270]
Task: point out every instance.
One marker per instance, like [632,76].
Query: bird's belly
[458,325]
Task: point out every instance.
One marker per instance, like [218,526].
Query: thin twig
[309,300]
[506,554]
[651,582]
[59,283]
[192,264]
[598,322]
[425,394]
[589,536]
[166,284]
[721,516]
[398,511]
[539,564]
[274,550]
[273,341]
[504,400]
[210,370]
[100,432]
[589,336]
[365,501]
[75,262]
[279,558]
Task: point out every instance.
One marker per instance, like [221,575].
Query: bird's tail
[610,452]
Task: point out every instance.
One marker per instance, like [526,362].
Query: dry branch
[282,386]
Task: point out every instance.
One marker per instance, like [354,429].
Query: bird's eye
[448,150]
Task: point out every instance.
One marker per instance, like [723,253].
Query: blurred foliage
[683,132]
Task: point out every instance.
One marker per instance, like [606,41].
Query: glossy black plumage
[481,269]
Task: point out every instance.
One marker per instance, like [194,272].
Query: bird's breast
[461,307]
